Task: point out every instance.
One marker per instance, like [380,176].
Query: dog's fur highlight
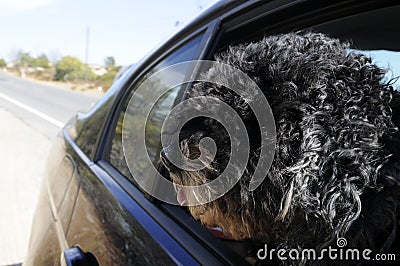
[336,168]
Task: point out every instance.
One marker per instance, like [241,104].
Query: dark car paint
[84,202]
[54,209]
[114,227]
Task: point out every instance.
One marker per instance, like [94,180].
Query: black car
[90,208]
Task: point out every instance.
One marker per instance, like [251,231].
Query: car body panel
[107,229]
[54,208]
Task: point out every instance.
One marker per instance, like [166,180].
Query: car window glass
[156,117]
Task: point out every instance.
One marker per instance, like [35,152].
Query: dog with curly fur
[336,170]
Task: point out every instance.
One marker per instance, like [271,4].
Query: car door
[113,219]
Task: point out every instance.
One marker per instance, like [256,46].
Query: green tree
[3,62]
[42,61]
[71,68]
[109,61]
[25,59]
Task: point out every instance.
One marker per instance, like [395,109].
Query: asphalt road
[42,107]
[31,114]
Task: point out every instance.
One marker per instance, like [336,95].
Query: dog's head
[332,113]
[223,212]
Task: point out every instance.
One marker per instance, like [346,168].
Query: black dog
[336,171]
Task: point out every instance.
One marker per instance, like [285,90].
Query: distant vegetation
[2,63]
[70,68]
[67,69]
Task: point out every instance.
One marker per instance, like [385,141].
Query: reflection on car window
[156,117]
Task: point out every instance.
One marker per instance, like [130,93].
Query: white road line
[33,111]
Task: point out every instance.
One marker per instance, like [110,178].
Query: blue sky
[124,29]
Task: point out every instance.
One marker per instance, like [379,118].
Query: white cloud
[24,4]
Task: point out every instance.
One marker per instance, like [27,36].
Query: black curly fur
[336,171]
